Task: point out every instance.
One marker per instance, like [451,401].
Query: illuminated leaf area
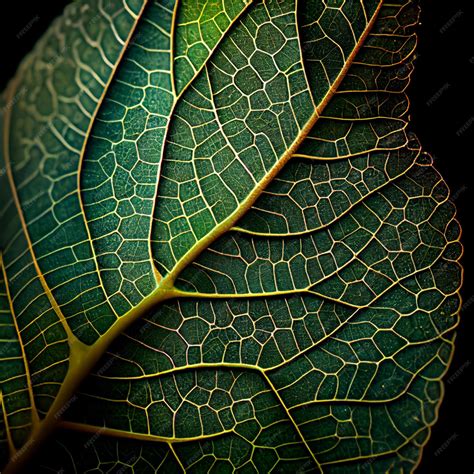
[221,248]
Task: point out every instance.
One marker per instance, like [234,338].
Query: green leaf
[221,248]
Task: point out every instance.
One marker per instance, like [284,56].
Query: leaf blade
[332,323]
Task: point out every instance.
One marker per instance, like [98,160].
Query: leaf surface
[221,248]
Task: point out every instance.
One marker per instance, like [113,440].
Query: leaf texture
[221,248]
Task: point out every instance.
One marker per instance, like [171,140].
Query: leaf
[221,248]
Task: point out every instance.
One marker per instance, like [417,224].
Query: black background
[442,115]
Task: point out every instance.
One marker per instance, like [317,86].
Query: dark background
[442,115]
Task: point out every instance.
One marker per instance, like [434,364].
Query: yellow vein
[184,368]
[375,456]
[72,339]
[156,273]
[172,46]
[177,96]
[290,417]
[118,433]
[175,454]
[321,227]
[88,135]
[34,412]
[11,445]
